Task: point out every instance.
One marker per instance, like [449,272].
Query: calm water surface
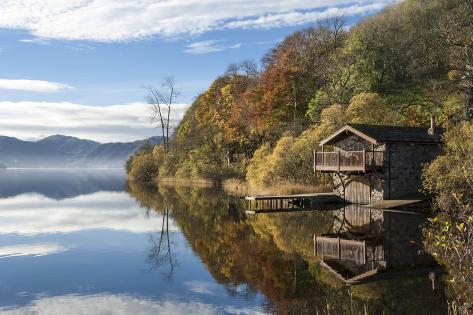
[87,242]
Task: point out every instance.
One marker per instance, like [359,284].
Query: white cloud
[33,85]
[298,18]
[208,46]
[37,249]
[107,303]
[33,214]
[101,123]
[110,20]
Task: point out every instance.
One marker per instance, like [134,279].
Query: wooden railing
[342,249]
[346,161]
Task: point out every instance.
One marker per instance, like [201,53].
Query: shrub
[143,168]
[258,172]
[450,235]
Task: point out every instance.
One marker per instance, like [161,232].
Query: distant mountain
[65,151]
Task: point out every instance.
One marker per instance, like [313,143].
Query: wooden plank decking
[312,195]
[262,204]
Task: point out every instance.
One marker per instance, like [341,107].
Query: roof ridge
[386,134]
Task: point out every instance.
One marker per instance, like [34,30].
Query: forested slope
[399,67]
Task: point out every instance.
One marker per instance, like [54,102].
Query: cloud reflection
[120,304]
[32,214]
[203,287]
[38,249]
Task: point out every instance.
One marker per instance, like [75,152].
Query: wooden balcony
[349,161]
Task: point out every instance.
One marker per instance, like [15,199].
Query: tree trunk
[469,106]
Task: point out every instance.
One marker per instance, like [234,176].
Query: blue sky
[80,67]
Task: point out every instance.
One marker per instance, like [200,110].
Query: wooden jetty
[265,204]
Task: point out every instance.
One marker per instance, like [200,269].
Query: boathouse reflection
[364,242]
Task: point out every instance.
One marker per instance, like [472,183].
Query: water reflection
[39,249]
[74,243]
[161,253]
[122,304]
[167,250]
[274,254]
[59,184]
[363,242]
[31,214]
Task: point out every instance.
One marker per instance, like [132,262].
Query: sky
[81,67]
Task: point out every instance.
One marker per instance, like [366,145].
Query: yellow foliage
[257,171]
[450,176]
[370,108]
[143,168]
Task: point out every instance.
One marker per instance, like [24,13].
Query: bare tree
[248,68]
[232,69]
[161,101]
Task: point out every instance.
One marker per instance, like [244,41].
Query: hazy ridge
[66,151]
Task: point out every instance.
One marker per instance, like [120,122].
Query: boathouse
[371,163]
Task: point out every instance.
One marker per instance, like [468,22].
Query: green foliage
[258,172]
[450,176]
[391,68]
[159,154]
[333,118]
[370,108]
[399,47]
[452,111]
[143,167]
[206,163]
[320,101]
[450,235]
[291,160]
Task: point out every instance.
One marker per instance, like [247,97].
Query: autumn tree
[449,179]
[292,72]
[370,108]
[457,30]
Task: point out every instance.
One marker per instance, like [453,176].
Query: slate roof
[386,134]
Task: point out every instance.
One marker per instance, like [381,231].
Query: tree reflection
[160,253]
[273,254]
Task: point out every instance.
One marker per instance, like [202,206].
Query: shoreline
[242,188]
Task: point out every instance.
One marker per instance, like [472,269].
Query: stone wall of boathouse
[403,168]
[356,143]
[401,175]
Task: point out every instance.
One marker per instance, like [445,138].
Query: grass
[242,188]
[184,182]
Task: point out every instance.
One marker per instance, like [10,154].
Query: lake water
[86,242]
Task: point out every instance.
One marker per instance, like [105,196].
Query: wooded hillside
[401,66]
